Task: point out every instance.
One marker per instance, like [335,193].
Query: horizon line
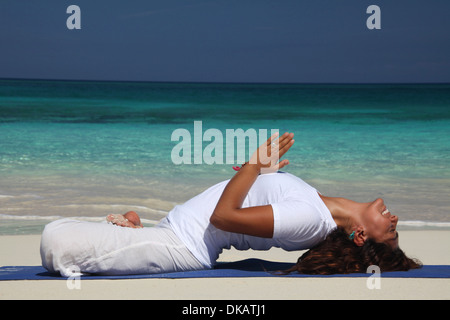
[225,82]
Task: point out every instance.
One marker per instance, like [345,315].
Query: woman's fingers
[283,144]
[268,154]
[282,163]
[286,144]
[272,139]
[277,149]
[287,140]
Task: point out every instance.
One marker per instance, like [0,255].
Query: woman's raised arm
[255,221]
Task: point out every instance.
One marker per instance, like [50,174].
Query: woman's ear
[360,237]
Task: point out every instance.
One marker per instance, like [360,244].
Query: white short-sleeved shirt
[301,219]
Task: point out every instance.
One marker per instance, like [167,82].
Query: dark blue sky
[227,41]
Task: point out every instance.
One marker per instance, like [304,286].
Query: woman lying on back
[259,208]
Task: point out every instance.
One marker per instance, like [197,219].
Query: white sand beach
[430,246]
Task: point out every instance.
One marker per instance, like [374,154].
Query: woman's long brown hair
[338,254]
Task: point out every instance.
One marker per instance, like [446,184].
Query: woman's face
[379,224]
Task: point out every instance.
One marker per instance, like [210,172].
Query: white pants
[100,248]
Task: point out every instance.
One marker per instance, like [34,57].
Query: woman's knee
[53,242]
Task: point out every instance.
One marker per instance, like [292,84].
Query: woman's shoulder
[286,179]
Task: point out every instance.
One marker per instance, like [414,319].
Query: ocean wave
[410,223]
[420,224]
[125,207]
[53,218]
[27,195]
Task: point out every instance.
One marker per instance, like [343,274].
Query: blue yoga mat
[243,268]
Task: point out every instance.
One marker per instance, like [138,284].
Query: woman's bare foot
[130,220]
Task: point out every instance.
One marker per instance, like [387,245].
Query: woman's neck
[345,212]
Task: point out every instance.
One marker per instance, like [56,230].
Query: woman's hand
[255,221]
[266,157]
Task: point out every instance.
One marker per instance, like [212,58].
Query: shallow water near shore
[87,149]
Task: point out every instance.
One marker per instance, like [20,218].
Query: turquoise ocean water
[86,149]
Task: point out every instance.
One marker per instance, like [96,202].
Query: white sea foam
[419,224]
[125,207]
[410,223]
[53,218]
[26,195]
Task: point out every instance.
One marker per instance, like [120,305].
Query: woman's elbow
[218,221]
[214,220]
